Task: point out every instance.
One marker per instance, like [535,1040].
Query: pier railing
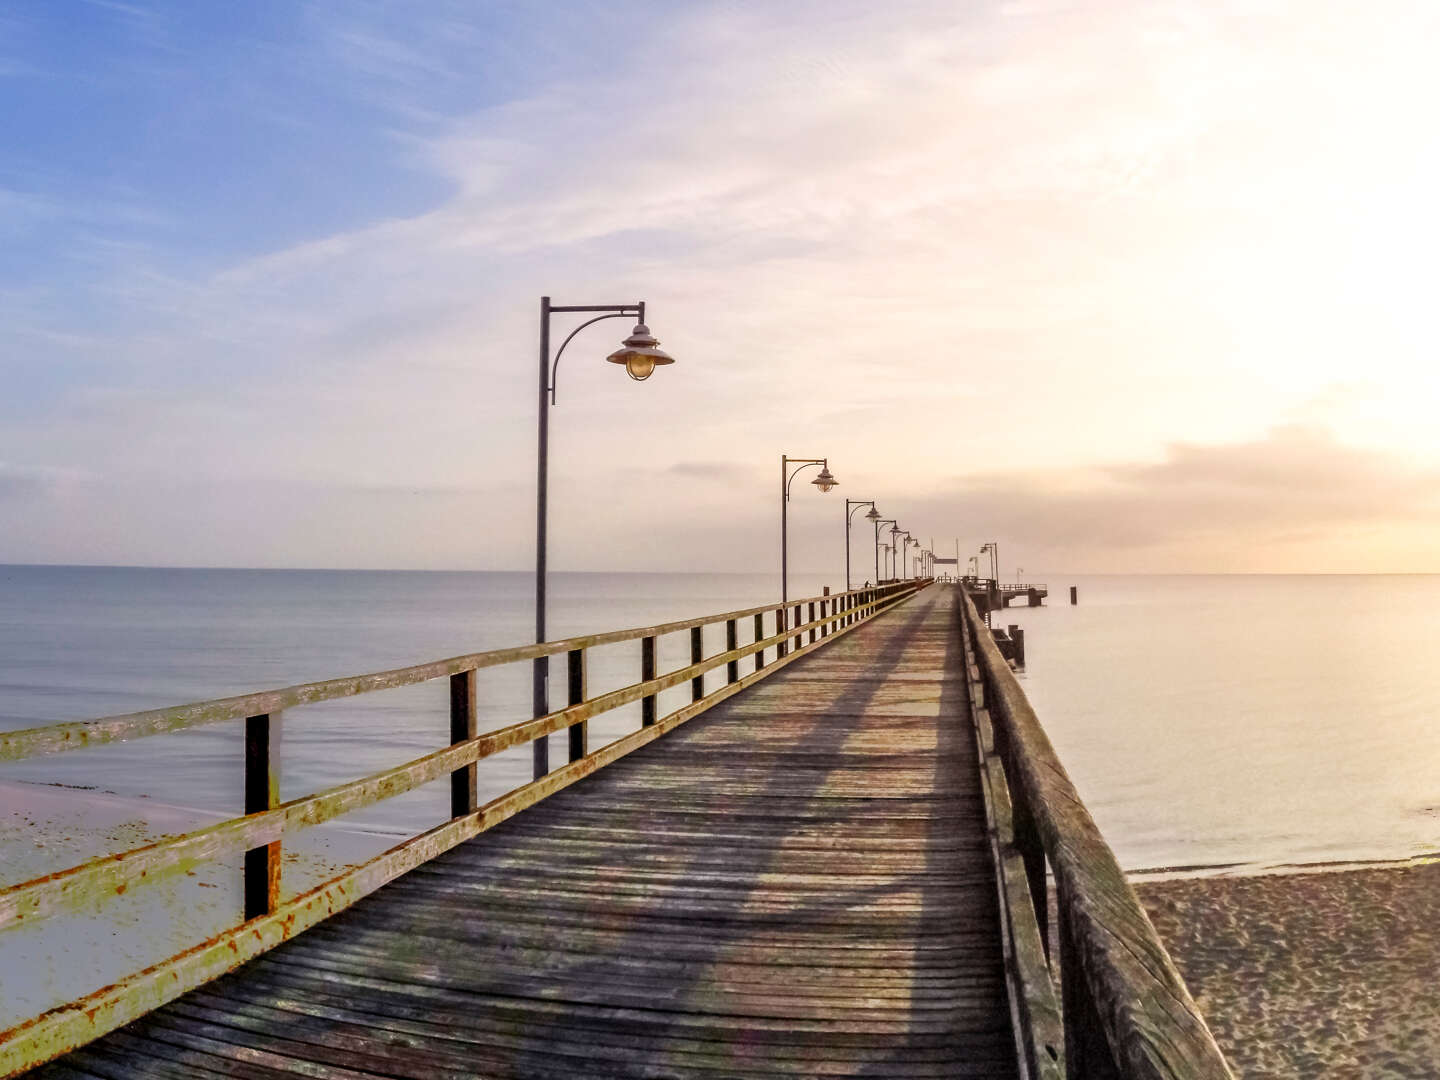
[1124,1012]
[785,633]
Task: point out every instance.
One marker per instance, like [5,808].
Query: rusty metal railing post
[577,679]
[262,792]
[647,672]
[464,726]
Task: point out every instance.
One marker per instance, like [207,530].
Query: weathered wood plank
[43,1037]
[754,913]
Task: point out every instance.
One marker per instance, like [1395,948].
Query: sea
[1210,722]
[1213,724]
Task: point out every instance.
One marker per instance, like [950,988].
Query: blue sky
[269,274]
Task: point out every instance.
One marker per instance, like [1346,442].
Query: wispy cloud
[1023,240]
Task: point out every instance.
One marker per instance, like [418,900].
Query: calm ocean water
[83,642]
[1207,720]
[1251,720]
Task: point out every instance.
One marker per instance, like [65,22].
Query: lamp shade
[640,354]
[825,481]
[873,515]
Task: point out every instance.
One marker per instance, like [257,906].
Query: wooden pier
[820,869]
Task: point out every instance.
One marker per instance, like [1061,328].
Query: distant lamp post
[825,481]
[851,505]
[896,534]
[994,550]
[878,522]
[641,355]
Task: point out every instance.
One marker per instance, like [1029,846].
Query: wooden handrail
[259,834]
[53,738]
[1127,1012]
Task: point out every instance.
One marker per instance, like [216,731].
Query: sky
[1123,286]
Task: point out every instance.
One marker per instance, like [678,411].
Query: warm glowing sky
[1124,285]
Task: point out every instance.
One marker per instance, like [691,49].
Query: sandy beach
[1310,974]
[47,828]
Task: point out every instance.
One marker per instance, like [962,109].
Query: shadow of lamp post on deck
[640,355]
[851,505]
[825,482]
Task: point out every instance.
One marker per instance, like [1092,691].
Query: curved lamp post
[851,505]
[640,355]
[824,482]
[879,521]
[994,551]
[896,557]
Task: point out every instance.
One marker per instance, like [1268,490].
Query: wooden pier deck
[796,883]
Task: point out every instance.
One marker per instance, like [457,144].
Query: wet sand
[1312,974]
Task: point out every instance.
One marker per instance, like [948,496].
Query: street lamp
[897,537]
[994,550]
[894,549]
[824,481]
[640,355]
[878,522]
[851,505]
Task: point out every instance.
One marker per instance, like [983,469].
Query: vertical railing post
[782,646]
[1025,831]
[732,642]
[647,672]
[577,679]
[799,638]
[827,609]
[697,653]
[759,636]
[464,726]
[811,612]
[262,792]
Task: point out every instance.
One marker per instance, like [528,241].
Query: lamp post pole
[824,482]
[994,550]
[640,356]
[851,505]
[878,523]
